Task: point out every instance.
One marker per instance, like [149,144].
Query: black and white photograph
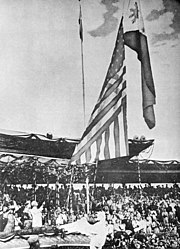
[89,124]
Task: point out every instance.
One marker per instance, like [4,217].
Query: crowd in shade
[136,217]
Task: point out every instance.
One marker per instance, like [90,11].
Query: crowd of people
[136,217]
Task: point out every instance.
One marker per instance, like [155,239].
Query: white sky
[40,69]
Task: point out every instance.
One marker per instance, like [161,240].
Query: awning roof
[21,154]
[36,144]
[134,171]
[41,145]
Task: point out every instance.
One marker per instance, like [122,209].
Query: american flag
[106,134]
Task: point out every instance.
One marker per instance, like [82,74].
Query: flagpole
[82,61]
[83,88]
[83,85]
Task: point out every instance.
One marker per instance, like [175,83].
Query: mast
[83,89]
[82,61]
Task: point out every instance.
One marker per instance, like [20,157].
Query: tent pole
[87,190]
[34,178]
[68,204]
[139,174]
[95,174]
[47,187]
[57,190]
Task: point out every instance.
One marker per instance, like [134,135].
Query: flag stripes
[110,89]
[86,143]
[106,147]
[114,111]
[105,111]
[103,136]
[116,137]
[98,147]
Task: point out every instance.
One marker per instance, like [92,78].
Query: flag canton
[117,57]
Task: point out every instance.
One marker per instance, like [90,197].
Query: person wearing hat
[36,214]
[97,231]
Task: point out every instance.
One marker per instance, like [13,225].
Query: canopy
[134,171]
[47,146]
[34,158]
[36,144]
[24,169]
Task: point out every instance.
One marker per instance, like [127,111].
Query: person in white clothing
[36,214]
[97,232]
